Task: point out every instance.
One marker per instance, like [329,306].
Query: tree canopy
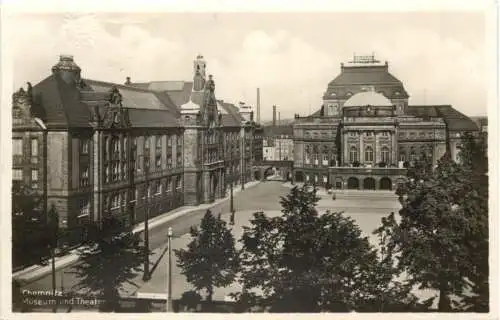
[210,259]
[441,241]
[306,262]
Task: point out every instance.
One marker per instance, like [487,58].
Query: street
[265,194]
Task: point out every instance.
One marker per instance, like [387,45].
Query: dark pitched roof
[455,120]
[422,111]
[178,91]
[151,118]
[60,102]
[232,116]
[273,131]
[132,97]
[64,105]
[481,121]
[365,75]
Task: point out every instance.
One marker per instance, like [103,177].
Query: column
[394,159]
[361,152]
[376,149]
[345,159]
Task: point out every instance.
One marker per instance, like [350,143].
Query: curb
[34,273]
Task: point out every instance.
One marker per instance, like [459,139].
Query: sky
[439,56]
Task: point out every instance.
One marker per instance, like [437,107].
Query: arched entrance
[352,183]
[268,172]
[369,184]
[256,175]
[299,176]
[385,184]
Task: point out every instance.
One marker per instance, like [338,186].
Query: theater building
[122,149]
[366,134]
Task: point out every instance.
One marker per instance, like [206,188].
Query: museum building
[95,148]
[366,134]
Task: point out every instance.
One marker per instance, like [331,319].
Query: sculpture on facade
[115,96]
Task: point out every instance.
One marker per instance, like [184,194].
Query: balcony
[366,170]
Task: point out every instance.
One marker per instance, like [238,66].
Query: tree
[211,259]
[113,258]
[29,236]
[306,262]
[474,205]
[430,241]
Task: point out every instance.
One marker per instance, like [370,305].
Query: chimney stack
[274,116]
[279,118]
[258,105]
[128,81]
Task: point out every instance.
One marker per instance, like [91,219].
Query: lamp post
[231,199]
[146,276]
[169,287]
[50,218]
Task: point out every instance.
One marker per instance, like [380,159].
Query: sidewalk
[38,271]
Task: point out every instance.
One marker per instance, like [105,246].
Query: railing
[364,170]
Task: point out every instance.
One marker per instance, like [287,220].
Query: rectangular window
[169,185]
[169,141]
[169,161]
[34,147]
[115,201]
[178,183]
[17,174]
[34,178]
[179,159]
[17,147]
[158,161]
[84,146]
[84,176]
[84,208]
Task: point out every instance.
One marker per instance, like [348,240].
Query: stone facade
[123,150]
[366,134]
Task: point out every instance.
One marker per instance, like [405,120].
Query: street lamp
[169,288]
[146,276]
[50,218]
[231,199]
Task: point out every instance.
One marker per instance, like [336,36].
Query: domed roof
[366,98]
[190,107]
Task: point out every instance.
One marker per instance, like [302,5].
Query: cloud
[287,69]
[291,67]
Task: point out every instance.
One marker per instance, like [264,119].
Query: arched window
[402,155]
[385,155]
[330,110]
[368,154]
[353,154]
[413,155]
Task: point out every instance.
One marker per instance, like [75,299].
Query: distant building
[365,133]
[117,149]
[278,143]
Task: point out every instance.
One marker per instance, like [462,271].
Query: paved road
[263,196]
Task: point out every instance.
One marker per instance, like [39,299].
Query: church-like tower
[203,162]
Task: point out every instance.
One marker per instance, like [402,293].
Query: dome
[366,98]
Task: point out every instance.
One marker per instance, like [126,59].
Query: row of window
[414,134]
[18,146]
[155,188]
[369,154]
[17,175]
[369,133]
